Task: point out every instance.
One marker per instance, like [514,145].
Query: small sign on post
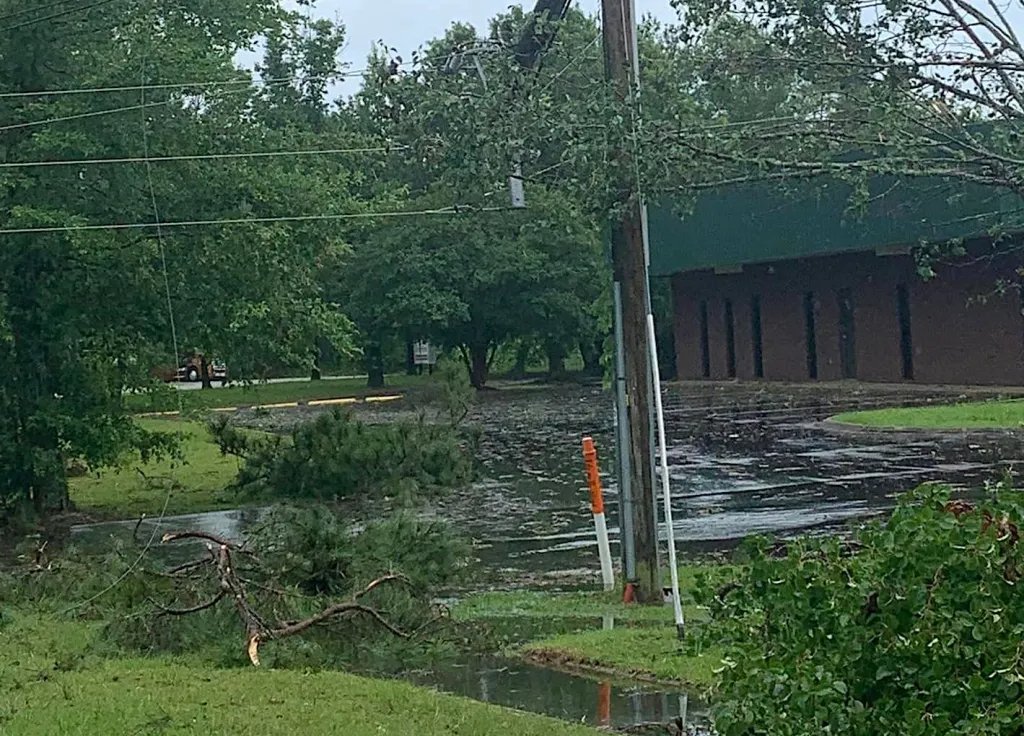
[424,354]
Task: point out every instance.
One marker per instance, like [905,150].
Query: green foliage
[306,560]
[337,456]
[457,392]
[84,314]
[913,629]
[315,549]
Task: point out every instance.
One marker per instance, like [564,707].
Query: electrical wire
[198,157]
[159,230]
[93,114]
[183,85]
[16,13]
[83,115]
[455,210]
[70,11]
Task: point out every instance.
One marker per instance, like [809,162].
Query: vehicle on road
[191,370]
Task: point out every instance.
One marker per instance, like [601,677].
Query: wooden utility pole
[629,264]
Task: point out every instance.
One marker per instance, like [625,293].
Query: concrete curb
[344,401]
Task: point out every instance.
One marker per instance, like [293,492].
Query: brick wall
[961,330]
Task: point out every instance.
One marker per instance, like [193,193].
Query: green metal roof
[768,221]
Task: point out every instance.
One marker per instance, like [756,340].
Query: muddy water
[599,703]
[744,459]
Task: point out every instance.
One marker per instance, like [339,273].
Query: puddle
[569,697]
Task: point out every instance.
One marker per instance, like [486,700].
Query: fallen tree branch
[186,611]
[257,631]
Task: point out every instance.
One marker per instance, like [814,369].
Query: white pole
[597,508]
[666,489]
[604,549]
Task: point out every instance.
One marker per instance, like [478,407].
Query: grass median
[1008,414]
[641,643]
[170,398]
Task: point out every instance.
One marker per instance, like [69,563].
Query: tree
[459,120]
[472,281]
[907,89]
[85,312]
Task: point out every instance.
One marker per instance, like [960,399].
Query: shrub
[316,550]
[337,456]
[915,628]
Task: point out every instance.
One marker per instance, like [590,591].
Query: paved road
[186,386]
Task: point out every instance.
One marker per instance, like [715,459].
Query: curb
[344,401]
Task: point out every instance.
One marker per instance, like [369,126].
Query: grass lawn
[538,604]
[196,483]
[636,646]
[50,685]
[646,651]
[977,415]
[263,394]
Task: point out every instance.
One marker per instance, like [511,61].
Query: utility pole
[629,265]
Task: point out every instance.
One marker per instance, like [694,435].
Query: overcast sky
[407,24]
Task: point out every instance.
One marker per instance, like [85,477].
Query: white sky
[407,24]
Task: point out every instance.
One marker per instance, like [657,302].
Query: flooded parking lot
[744,459]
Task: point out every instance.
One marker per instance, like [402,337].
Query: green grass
[977,415]
[651,652]
[50,685]
[537,604]
[636,646]
[197,483]
[583,604]
[262,394]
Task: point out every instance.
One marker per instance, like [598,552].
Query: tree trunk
[204,371]
[556,361]
[479,365]
[48,485]
[592,352]
[522,357]
[411,369]
[374,365]
[314,372]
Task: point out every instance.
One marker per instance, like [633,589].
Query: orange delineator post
[597,508]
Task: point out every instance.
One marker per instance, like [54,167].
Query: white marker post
[666,489]
[597,507]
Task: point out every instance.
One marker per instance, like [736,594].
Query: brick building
[795,286]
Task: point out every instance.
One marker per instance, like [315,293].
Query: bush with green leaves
[318,551]
[337,456]
[916,627]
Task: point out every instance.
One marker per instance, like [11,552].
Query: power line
[16,13]
[198,157]
[213,83]
[172,321]
[454,210]
[93,114]
[181,85]
[70,11]
[82,115]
